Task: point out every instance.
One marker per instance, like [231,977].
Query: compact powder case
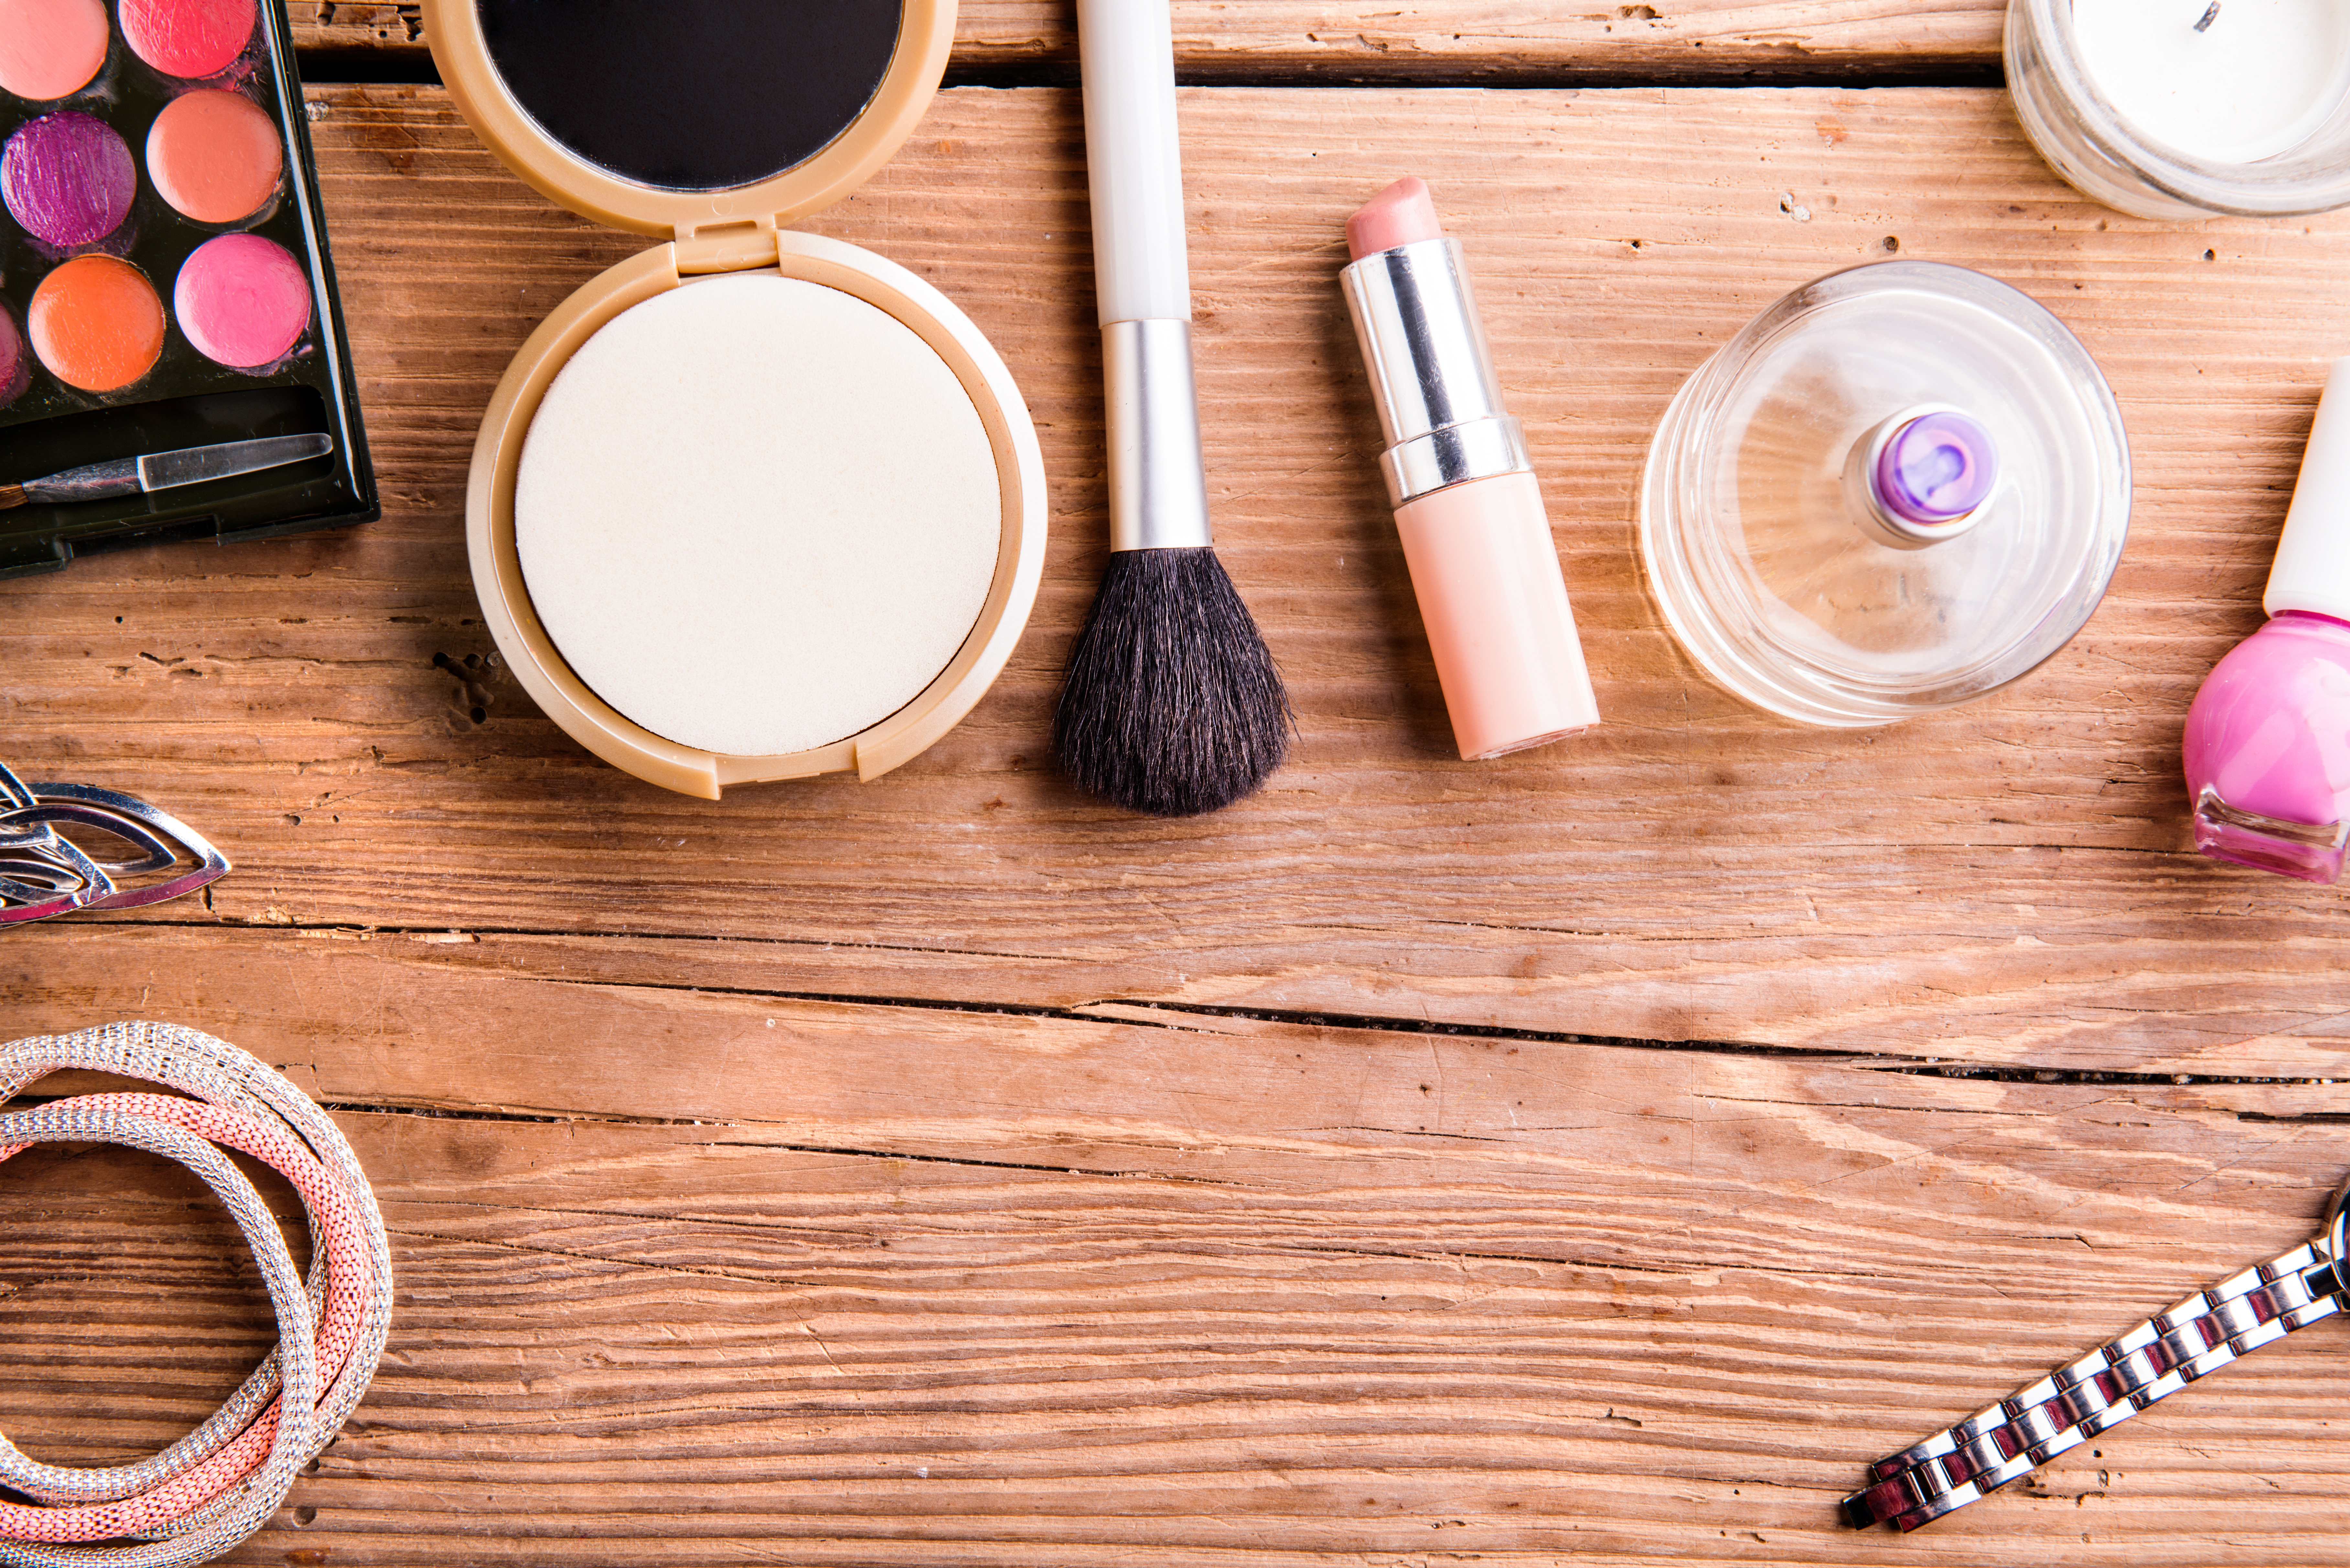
[751,504]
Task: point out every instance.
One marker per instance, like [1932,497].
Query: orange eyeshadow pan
[97,323]
[214,156]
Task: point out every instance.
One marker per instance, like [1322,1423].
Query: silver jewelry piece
[2111,1384]
[43,873]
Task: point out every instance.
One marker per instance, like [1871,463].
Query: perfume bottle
[2268,740]
[1901,487]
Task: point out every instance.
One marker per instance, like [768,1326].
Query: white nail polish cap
[2313,559]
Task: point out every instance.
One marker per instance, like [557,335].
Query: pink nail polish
[2268,739]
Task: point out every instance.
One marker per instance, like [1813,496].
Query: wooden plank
[2011,882]
[461,1025]
[830,1284]
[302,980]
[1489,40]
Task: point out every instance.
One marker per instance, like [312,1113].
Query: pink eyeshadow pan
[243,301]
[214,156]
[50,48]
[188,38]
[15,359]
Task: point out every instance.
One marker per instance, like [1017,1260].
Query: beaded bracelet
[224,1480]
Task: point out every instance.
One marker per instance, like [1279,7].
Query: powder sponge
[756,514]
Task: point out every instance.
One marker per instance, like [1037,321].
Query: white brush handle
[1134,161]
[1143,282]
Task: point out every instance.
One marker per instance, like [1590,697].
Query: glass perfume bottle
[2267,749]
[1900,487]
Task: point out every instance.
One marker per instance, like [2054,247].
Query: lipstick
[1458,471]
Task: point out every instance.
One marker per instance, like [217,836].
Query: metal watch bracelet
[2111,1384]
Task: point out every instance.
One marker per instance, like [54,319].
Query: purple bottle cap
[1936,468]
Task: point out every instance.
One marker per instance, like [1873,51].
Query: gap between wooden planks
[2009,884]
[1464,39]
[846,1285]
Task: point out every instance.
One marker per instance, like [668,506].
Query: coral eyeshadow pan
[50,48]
[188,38]
[214,156]
[96,324]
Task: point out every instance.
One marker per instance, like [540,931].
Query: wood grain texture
[2010,883]
[1491,40]
[1563,1158]
[821,1284]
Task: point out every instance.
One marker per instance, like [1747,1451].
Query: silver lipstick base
[1432,371]
[1479,449]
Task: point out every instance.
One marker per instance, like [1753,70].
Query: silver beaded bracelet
[2111,1384]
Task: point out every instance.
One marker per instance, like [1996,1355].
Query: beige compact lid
[865,138]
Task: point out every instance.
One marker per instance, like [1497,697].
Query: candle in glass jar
[2231,82]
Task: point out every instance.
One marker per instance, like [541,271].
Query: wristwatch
[2111,1384]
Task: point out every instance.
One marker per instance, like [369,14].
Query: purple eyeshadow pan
[68,178]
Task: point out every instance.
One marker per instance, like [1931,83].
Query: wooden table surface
[1598,1154]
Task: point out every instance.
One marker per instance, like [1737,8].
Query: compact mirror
[683,95]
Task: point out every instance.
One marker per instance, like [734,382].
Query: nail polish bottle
[2268,739]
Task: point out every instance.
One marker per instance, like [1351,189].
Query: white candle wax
[2258,81]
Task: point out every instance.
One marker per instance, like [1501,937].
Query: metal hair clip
[2111,1384]
[43,873]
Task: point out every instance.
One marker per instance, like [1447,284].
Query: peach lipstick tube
[1458,471]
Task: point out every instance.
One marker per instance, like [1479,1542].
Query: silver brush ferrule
[1158,485]
[1432,371]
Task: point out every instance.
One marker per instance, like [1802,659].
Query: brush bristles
[11,495]
[1172,706]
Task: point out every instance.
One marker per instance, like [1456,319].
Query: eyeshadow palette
[164,277]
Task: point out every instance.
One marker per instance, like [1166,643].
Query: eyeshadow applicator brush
[164,469]
[1171,705]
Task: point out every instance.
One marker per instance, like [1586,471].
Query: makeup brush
[1171,705]
[164,469]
